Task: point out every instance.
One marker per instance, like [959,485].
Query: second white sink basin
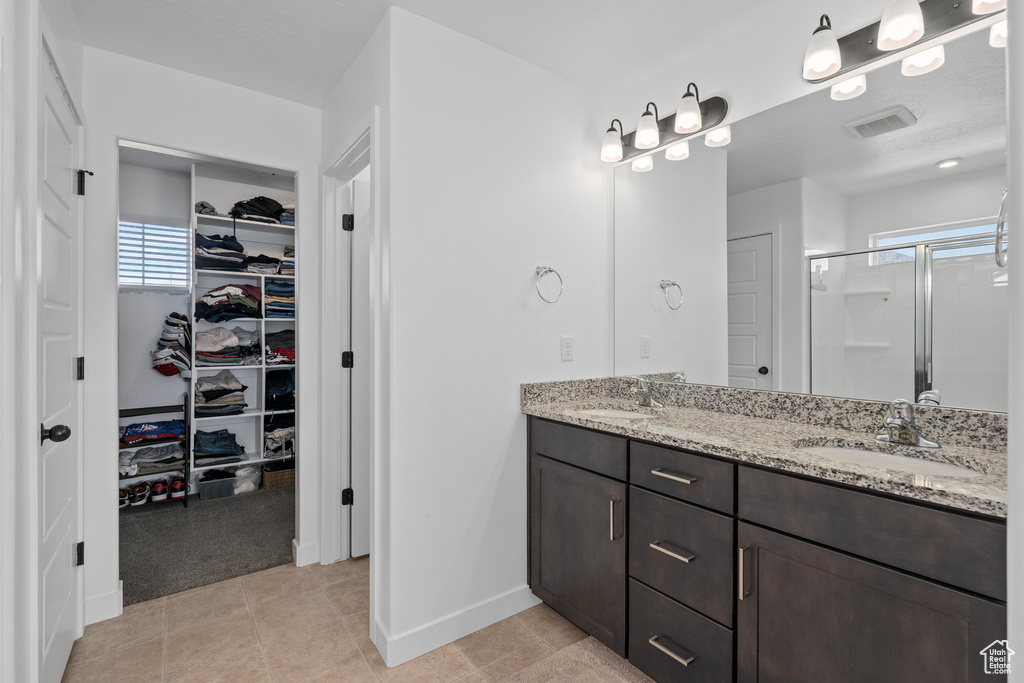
[890,462]
[616,414]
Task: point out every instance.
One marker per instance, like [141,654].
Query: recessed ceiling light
[948,163]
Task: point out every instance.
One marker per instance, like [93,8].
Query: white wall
[135,100]
[670,224]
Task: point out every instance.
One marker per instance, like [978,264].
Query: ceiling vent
[883,122]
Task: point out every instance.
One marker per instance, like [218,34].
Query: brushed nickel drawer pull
[686,557]
[685,661]
[674,477]
[742,586]
[611,520]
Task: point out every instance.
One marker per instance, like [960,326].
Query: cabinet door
[578,547]
[809,614]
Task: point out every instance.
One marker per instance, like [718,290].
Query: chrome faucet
[902,428]
[643,393]
[679,378]
[931,397]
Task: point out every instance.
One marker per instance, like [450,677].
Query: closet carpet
[167,548]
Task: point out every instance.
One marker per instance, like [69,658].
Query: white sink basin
[616,414]
[890,462]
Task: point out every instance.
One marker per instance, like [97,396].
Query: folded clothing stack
[281,347]
[288,261]
[288,217]
[229,302]
[217,448]
[280,390]
[207,209]
[263,264]
[259,209]
[217,252]
[153,432]
[280,299]
[279,436]
[173,353]
[221,346]
[221,394]
[151,460]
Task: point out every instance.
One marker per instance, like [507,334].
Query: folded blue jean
[220,442]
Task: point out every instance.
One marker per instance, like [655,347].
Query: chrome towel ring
[1001,234]
[541,272]
[667,285]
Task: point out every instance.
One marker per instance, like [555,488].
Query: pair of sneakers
[156,492]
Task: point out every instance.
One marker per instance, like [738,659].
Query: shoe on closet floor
[159,492]
[122,498]
[139,494]
[178,488]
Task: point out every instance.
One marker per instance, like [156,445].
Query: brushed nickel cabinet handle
[674,477]
[611,520]
[741,582]
[685,661]
[685,556]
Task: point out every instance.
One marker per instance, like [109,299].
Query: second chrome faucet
[902,428]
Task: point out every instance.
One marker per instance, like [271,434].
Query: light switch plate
[645,346]
[566,347]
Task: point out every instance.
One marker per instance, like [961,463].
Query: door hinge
[347,360]
[346,497]
[348,222]
[81,180]
[80,368]
[80,554]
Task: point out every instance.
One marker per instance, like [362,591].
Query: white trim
[305,554]
[103,607]
[401,648]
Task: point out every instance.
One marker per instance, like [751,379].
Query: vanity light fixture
[997,34]
[850,88]
[688,118]
[948,163]
[611,150]
[822,58]
[647,134]
[678,152]
[987,6]
[643,164]
[902,25]
[924,62]
[719,137]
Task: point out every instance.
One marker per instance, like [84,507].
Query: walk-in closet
[206,369]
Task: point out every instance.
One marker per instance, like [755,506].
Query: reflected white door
[361,372]
[750,312]
[58,241]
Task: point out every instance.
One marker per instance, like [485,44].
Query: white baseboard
[400,649]
[105,607]
[305,554]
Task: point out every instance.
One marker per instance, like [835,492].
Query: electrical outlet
[645,346]
[566,347]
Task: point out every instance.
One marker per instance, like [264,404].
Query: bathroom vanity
[710,546]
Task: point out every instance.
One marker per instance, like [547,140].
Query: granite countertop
[776,444]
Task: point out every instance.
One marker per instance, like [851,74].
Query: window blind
[152,255]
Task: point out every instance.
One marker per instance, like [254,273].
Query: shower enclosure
[896,322]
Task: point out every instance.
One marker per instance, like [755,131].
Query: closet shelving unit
[222,186]
[185,410]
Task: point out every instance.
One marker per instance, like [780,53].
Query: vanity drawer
[956,549]
[695,562]
[711,482]
[705,646]
[592,451]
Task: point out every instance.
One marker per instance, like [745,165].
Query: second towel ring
[541,272]
[667,285]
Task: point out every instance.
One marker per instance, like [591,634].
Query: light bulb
[678,152]
[924,62]
[850,88]
[997,34]
[987,6]
[647,135]
[822,58]
[688,118]
[611,148]
[902,24]
[643,164]
[948,163]
[719,137]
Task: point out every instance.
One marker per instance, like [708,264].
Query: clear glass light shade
[719,137]
[822,58]
[647,136]
[850,88]
[902,24]
[688,118]
[678,152]
[611,149]
[987,6]
[925,61]
[997,34]
[643,164]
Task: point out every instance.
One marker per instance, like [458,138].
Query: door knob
[763,370]
[57,433]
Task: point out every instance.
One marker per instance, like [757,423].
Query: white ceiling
[300,48]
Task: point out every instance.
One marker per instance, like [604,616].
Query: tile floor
[295,624]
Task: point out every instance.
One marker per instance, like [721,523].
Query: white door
[361,372]
[750,312]
[59,311]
